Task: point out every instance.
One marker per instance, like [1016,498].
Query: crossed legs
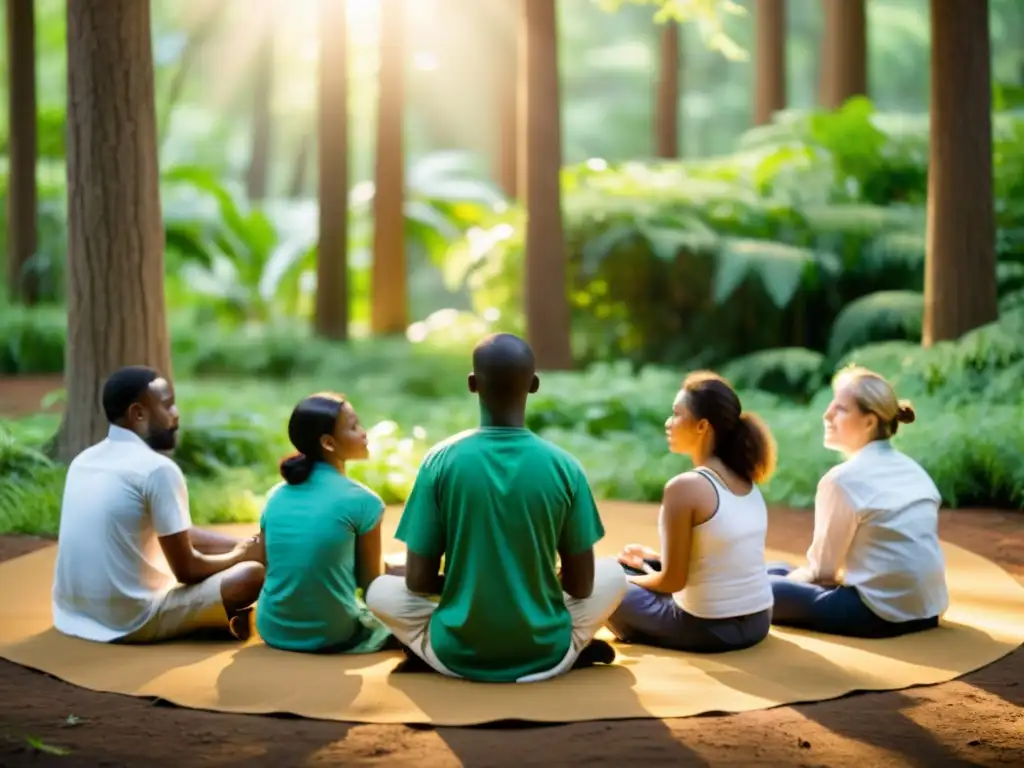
[407,615]
[223,601]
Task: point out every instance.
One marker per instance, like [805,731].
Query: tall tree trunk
[116,313]
[844,53]
[263,86]
[506,92]
[960,269]
[300,166]
[770,64]
[547,309]
[666,102]
[332,129]
[22,195]
[389,310]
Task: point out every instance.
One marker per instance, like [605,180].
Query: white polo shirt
[876,521]
[120,496]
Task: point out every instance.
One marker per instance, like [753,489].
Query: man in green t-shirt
[501,506]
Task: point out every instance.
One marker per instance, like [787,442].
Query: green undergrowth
[968,434]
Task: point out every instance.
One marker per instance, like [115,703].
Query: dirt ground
[24,395]
[977,720]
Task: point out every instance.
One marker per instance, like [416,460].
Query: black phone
[652,563]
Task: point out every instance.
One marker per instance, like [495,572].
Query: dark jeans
[651,618]
[832,610]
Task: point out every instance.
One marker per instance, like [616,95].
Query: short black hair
[504,366]
[124,388]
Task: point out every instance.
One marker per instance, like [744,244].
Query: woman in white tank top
[708,591]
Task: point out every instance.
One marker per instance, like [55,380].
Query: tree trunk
[666,103]
[332,253]
[263,86]
[547,309]
[300,167]
[960,269]
[116,314]
[507,93]
[844,53]
[389,310]
[22,195]
[770,64]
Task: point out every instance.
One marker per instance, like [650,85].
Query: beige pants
[186,609]
[407,615]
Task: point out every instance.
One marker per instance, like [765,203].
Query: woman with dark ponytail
[321,533]
[708,591]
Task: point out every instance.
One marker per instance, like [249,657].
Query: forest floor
[977,720]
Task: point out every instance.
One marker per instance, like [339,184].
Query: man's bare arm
[212,543]
[578,573]
[423,574]
[190,566]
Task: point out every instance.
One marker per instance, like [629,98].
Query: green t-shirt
[499,503]
[309,602]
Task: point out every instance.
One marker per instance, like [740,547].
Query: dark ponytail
[297,468]
[743,441]
[314,417]
[749,449]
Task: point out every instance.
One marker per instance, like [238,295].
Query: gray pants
[652,618]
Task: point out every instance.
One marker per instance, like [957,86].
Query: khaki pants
[185,609]
[407,615]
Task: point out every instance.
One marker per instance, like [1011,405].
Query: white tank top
[728,576]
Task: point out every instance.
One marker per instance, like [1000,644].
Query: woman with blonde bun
[874,567]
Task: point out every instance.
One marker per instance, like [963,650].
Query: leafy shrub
[880,316]
[32,340]
[792,372]
[234,433]
[981,366]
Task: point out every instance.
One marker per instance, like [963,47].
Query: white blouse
[876,519]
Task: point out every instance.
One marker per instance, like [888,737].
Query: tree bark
[770,64]
[666,110]
[300,167]
[844,53]
[116,313]
[22,193]
[547,309]
[960,269]
[389,308]
[507,94]
[263,86]
[332,253]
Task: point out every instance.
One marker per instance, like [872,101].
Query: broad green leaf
[596,250]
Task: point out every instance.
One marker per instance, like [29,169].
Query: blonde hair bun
[906,414]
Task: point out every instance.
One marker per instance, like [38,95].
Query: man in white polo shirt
[131,568]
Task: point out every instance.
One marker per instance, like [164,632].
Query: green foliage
[792,372]
[880,316]
[967,435]
[707,14]
[32,341]
[706,260]
[985,365]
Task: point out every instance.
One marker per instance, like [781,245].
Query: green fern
[880,316]
[780,268]
[792,372]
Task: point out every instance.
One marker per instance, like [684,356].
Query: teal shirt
[498,503]
[309,602]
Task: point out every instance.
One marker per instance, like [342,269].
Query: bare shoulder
[689,492]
